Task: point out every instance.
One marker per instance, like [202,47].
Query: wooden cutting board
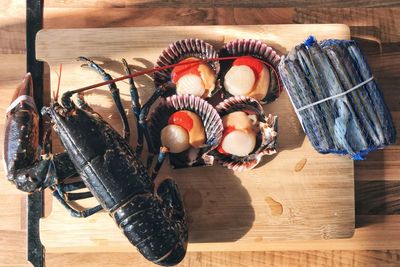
[295,195]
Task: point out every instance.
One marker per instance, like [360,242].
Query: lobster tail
[176,255]
[152,226]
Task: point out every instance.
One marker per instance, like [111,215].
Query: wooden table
[377,180]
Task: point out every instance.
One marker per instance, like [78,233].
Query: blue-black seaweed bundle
[336,98]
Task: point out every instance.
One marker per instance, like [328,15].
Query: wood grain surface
[376,31]
[221,3]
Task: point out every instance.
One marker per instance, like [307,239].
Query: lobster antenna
[147,71]
[55,96]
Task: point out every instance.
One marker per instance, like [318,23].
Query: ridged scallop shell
[211,121]
[181,50]
[266,138]
[257,49]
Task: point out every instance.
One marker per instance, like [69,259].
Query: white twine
[26,98]
[297,110]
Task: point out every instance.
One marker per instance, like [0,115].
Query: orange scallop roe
[182,119]
[255,65]
[182,70]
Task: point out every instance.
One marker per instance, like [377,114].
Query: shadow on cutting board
[290,133]
[218,207]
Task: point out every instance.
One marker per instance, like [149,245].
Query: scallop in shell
[204,83]
[211,122]
[265,128]
[266,87]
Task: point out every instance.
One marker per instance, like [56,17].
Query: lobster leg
[78,196]
[62,170]
[141,120]
[141,115]
[160,160]
[60,193]
[66,188]
[142,127]
[74,212]
[135,105]
[169,193]
[114,93]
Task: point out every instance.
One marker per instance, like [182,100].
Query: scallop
[239,143]
[262,60]
[239,80]
[192,123]
[190,84]
[175,138]
[199,130]
[186,50]
[248,135]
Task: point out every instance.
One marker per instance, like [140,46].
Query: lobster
[153,219]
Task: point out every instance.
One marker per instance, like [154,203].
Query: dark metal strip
[34,22]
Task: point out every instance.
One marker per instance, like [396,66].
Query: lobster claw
[21,138]
[23,95]
[25,88]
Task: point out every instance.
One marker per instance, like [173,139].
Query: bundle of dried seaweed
[336,98]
